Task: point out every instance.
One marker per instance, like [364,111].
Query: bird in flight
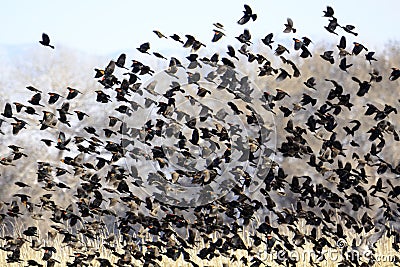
[248,14]
[46,40]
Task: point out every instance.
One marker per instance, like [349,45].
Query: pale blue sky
[103,27]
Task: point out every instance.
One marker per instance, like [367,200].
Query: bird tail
[52,46]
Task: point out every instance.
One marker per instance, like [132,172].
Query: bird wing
[342,43]
[145,46]
[248,10]
[45,38]
[290,22]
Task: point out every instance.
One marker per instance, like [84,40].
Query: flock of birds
[220,149]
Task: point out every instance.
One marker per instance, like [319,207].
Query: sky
[105,27]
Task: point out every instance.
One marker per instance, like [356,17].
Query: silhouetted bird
[7,111]
[121,61]
[349,29]
[217,36]
[109,69]
[159,34]
[72,93]
[289,26]
[342,47]
[395,74]
[36,99]
[358,48]
[327,55]
[370,57]
[219,25]
[248,14]
[53,98]
[333,24]
[143,48]
[176,38]
[310,83]
[343,65]
[329,12]
[46,40]
[268,40]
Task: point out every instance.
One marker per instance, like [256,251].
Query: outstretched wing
[247,9]
[290,22]
[45,38]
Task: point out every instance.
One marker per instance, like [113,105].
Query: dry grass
[384,254]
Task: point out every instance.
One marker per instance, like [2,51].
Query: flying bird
[245,37]
[349,29]
[248,14]
[46,40]
[7,111]
[159,34]
[143,48]
[342,47]
[370,57]
[217,36]
[219,25]
[395,74]
[121,61]
[176,37]
[343,65]
[333,24]
[289,26]
[327,55]
[268,40]
[358,48]
[329,12]
[310,83]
